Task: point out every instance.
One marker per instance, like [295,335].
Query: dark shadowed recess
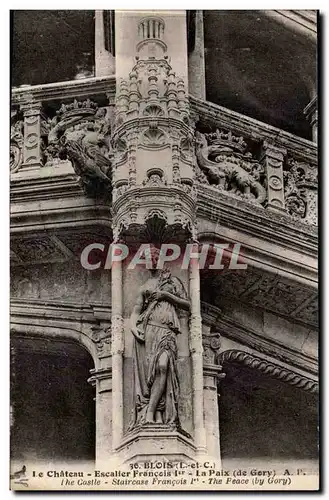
[53,408]
[52,46]
[264,419]
[259,67]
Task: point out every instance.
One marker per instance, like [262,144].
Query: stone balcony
[251,179]
[238,156]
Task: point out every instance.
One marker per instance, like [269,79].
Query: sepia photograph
[164,250]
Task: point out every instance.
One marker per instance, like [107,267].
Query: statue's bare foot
[149,419]
[158,417]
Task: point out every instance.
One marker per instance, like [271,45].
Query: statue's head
[154,254]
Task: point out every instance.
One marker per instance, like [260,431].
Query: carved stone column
[196,58]
[117,354]
[154,201]
[104,59]
[272,158]
[101,379]
[32,150]
[311,113]
[196,353]
[211,374]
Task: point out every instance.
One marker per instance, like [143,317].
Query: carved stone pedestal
[157,442]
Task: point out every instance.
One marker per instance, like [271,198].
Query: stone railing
[42,115]
[260,164]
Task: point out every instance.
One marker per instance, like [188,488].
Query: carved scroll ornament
[301,191]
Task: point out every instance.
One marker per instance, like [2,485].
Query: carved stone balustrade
[59,125]
[42,114]
[252,161]
[193,142]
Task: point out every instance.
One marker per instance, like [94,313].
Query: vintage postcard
[164,310]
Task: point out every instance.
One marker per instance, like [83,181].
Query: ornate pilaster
[117,354]
[196,353]
[196,58]
[212,373]
[272,159]
[32,150]
[101,379]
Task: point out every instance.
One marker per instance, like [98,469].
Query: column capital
[31,108]
[269,149]
[99,374]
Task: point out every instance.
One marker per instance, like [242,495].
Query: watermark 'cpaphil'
[214,256]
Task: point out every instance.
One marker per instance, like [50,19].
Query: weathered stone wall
[67,281]
[295,336]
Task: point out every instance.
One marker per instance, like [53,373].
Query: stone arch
[268,413]
[52,402]
[270,369]
[60,332]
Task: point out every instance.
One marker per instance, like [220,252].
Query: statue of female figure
[155,325]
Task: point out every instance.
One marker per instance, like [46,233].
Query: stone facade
[142,157]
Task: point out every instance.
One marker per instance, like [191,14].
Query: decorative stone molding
[60,91]
[152,122]
[223,159]
[272,158]
[102,337]
[262,225]
[100,375]
[301,191]
[16,145]
[211,343]
[33,144]
[270,369]
[234,330]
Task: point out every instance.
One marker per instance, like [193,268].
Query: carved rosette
[153,155]
[301,191]
[224,162]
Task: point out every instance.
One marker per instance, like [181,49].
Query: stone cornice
[224,118]
[37,203]
[302,21]
[27,188]
[88,325]
[60,310]
[235,331]
[271,370]
[227,211]
[61,91]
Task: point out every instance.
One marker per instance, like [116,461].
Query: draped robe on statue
[158,325]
